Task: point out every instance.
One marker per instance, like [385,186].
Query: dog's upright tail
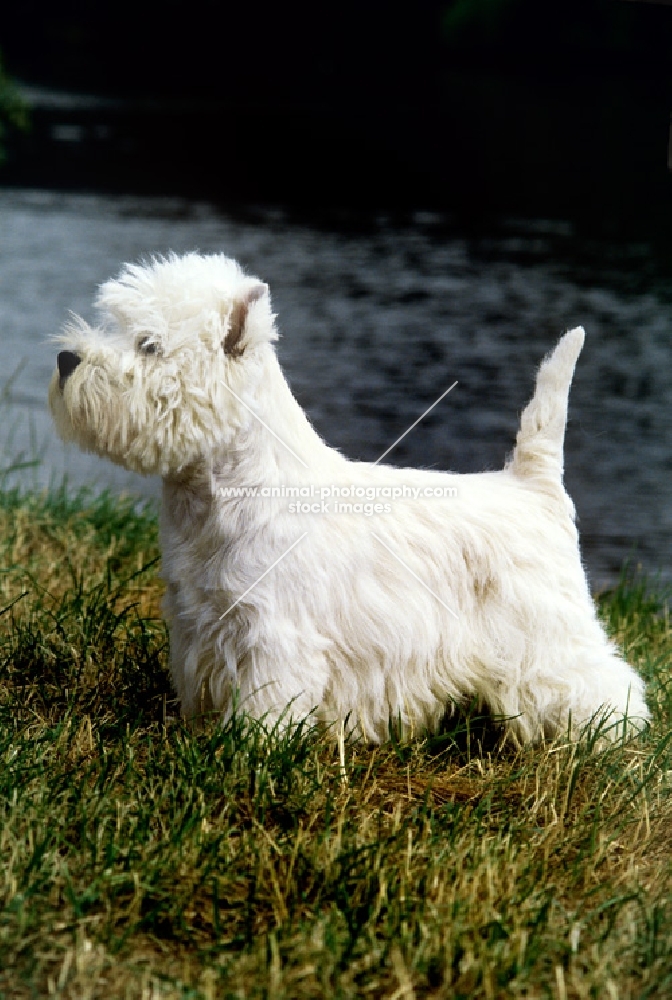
[539,445]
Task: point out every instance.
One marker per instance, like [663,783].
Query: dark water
[376,322]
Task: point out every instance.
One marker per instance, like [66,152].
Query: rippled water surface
[376,323]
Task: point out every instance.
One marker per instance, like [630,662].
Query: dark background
[477,107]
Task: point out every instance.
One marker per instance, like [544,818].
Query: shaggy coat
[306,607]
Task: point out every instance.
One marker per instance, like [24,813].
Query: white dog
[350,592]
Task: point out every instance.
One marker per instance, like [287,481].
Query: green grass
[145,858]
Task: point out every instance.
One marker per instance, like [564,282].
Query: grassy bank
[141,858]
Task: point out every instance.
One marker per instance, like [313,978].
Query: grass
[144,858]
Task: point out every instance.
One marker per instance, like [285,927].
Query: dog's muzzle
[67,361]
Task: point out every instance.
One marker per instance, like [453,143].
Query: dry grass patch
[144,858]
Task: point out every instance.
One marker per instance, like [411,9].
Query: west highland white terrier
[303,584]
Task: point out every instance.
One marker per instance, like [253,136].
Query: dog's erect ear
[234,343]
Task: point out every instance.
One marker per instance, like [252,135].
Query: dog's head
[158,385]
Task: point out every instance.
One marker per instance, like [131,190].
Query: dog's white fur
[395,617]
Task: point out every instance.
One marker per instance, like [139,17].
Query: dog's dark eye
[147,346]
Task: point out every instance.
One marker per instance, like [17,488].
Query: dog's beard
[84,412]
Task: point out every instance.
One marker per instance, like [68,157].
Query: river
[377,318]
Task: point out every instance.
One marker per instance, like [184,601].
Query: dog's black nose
[67,362]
